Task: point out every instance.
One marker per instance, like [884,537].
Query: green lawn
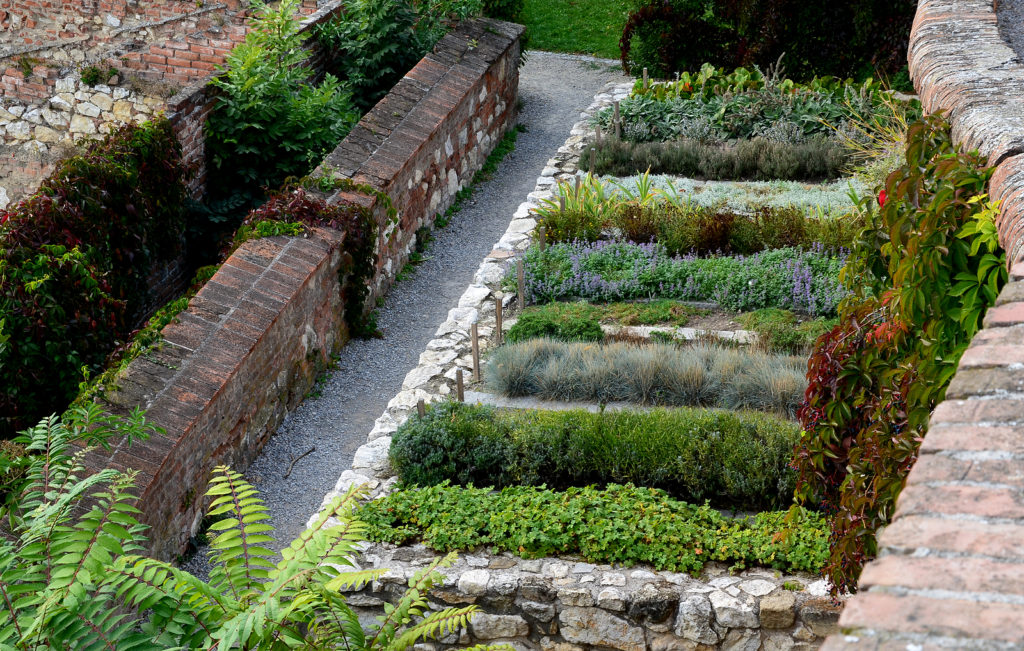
[579,26]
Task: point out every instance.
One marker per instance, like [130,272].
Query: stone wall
[566,604]
[252,341]
[948,573]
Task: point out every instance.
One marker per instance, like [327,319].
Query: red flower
[882,196]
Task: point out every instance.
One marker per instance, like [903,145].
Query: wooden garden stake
[520,284]
[460,389]
[561,202]
[577,187]
[476,352]
[421,408]
[593,160]
[645,78]
[497,316]
[618,122]
[541,237]
[597,133]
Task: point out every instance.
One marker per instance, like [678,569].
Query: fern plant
[72,577]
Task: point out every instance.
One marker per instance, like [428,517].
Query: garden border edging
[559,604]
[949,566]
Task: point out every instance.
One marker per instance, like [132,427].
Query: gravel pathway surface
[554,89]
[1010,14]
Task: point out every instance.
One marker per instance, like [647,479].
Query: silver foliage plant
[72,575]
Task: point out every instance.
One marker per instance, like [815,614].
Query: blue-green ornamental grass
[805,281]
[619,524]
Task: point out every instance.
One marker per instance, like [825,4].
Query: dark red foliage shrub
[74,263]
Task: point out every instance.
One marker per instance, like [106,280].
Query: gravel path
[554,89]
[1010,14]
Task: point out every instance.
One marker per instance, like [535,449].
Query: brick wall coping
[950,568]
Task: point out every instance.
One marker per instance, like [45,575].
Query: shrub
[619,524]
[71,575]
[575,322]
[270,120]
[801,280]
[509,10]
[734,460]
[816,159]
[75,261]
[659,374]
[924,270]
[817,37]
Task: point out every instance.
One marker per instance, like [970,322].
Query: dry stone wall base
[567,604]
[948,573]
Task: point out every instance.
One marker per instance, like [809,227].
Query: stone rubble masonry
[950,565]
[566,604]
[252,341]
[162,49]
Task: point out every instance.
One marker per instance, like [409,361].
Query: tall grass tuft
[654,374]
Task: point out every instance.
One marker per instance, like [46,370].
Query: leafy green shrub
[619,524]
[782,330]
[574,322]
[734,460]
[790,278]
[657,374]
[817,37]
[74,263]
[71,576]
[269,120]
[509,10]
[816,159]
[922,274]
[93,75]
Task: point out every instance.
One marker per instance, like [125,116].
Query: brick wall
[424,141]
[251,342]
[950,566]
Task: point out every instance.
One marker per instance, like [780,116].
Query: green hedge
[733,459]
[620,524]
[74,263]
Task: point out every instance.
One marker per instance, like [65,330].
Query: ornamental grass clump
[802,280]
[735,460]
[653,374]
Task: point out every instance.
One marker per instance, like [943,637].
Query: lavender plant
[802,280]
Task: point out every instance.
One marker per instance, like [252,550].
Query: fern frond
[241,560]
[433,625]
[336,623]
[411,603]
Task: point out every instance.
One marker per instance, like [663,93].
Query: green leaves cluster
[619,524]
[924,270]
[270,120]
[72,577]
[734,459]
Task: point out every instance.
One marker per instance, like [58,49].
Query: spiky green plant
[71,576]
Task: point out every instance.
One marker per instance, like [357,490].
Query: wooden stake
[617,119]
[542,237]
[498,305]
[521,284]
[421,408]
[597,133]
[645,78]
[577,187]
[593,160]
[476,352]
[561,202]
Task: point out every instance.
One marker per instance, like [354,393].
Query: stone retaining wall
[562,604]
[253,340]
[948,574]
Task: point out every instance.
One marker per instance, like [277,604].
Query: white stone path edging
[559,604]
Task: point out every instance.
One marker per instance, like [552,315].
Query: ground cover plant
[74,263]
[817,37]
[618,524]
[784,331]
[736,460]
[922,274]
[72,575]
[652,374]
[805,281]
[581,321]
